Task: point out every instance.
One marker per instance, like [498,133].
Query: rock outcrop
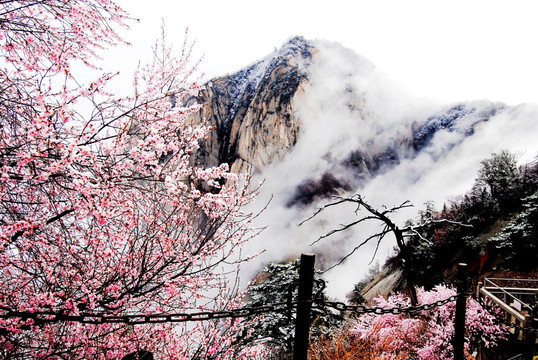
[252,110]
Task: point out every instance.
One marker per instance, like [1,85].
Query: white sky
[444,50]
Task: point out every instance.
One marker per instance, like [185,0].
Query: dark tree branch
[19,233]
[389,227]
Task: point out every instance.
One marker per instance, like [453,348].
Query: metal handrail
[513,279]
[506,293]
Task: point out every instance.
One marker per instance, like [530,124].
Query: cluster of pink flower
[106,214]
[428,333]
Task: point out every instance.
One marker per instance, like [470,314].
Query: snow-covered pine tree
[276,283]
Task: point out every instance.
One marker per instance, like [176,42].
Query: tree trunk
[408,270]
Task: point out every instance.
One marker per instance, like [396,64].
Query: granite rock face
[253,110]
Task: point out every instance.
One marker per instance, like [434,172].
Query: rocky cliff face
[253,111]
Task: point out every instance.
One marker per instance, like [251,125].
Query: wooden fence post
[534,326]
[302,325]
[459,322]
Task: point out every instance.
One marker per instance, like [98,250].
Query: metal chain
[50,317]
[491,310]
[360,309]
[319,304]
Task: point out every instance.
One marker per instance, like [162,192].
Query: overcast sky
[444,50]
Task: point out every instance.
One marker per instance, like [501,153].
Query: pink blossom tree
[428,334]
[104,212]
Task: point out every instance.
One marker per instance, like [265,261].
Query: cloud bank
[349,107]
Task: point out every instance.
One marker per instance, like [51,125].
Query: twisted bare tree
[401,234]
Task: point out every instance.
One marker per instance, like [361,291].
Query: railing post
[302,325]
[534,326]
[459,322]
[529,336]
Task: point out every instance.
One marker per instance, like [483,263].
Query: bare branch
[343,228]
[364,242]
[323,208]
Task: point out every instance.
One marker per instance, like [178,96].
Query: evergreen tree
[501,176]
[518,238]
[279,284]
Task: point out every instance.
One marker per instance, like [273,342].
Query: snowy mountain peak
[314,119]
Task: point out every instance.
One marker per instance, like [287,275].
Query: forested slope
[493,228]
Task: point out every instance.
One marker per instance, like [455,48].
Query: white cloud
[448,51]
[340,81]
